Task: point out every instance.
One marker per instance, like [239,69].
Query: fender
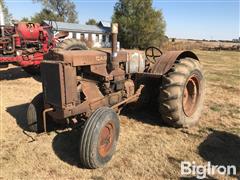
[166,60]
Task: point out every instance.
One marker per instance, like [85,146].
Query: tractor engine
[25,43]
[24,38]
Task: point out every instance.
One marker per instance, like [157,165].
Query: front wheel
[34,114]
[182,93]
[99,138]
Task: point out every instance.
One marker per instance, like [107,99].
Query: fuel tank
[28,31]
[135,62]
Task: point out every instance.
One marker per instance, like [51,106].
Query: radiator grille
[53,82]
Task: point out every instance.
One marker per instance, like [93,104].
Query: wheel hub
[106,139]
[191,95]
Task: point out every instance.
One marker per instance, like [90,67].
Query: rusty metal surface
[129,99]
[61,34]
[114,98]
[129,87]
[45,119]
[166,60]
[91,91]
[70,79]
[86,57]
[101,70]
[106,138]
[79,58]
[191,95]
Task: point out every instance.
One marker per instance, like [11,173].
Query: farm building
[98,34]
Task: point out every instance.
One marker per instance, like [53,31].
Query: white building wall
[86,36]
[78,35]
[94,38]
[100,38]
[98,44]
[70,35]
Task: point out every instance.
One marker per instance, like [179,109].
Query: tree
[45,14]
[64,10]
[91,22]
[140,25]
[25,19]
[7,15]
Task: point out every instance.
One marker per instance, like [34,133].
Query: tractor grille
[53,83]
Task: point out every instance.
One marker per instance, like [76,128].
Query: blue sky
[200,19]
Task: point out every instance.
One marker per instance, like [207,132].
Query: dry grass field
[147,149]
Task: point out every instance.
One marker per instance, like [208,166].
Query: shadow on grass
[13,73]
[222,149]
[19,112]
[16,73]
[144,114]
[66,147]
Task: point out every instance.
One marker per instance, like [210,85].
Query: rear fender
[166,60]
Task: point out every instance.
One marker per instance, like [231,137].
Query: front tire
[99,138]
[34,114]
[182,93]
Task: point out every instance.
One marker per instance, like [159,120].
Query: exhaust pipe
[114,45]
[2,23]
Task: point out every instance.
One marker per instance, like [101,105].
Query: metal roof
[63,26]
[105,23]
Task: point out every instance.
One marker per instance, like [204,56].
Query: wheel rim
[106,139]
[191,95]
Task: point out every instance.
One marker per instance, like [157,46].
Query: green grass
[221,66]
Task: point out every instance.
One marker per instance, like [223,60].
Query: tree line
[140,25]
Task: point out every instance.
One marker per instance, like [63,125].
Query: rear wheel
[99,138]
[181,93]
[72,44]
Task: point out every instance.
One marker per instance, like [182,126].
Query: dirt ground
[147,149]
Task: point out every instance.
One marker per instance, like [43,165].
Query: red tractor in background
[25,43]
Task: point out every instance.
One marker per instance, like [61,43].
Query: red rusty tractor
[86,88]
[25,43]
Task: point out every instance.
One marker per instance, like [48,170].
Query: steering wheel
[50,23]
[152,53]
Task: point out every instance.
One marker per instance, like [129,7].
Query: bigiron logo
[202,171]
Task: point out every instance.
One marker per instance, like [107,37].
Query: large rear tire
[182,93]
[72,44]
[99,138]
